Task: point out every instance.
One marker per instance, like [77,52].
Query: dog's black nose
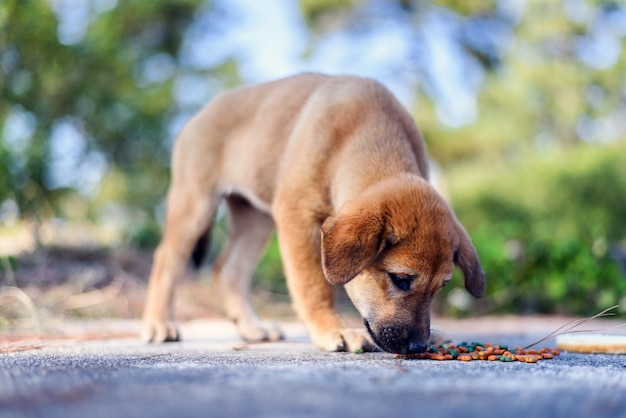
[416,348]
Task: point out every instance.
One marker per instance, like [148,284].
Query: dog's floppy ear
[350,242]
[467,260]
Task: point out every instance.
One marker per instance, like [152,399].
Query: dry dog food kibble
[479,351]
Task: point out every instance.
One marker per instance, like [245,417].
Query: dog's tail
[201,249]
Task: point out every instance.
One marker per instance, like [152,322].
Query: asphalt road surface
[212,374]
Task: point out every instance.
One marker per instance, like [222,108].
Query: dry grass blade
[14,347]
[12,292]
[570,326]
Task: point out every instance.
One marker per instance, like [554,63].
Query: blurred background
[522,104]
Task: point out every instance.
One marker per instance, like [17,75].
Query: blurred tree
[552,135]
[89,91]
[551,74]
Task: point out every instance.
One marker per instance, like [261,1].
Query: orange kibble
[485,352]
[527,358]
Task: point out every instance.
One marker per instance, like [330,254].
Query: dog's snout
[416,348]
[399,339]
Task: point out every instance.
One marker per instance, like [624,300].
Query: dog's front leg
[312,295]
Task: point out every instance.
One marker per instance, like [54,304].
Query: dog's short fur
[338,166]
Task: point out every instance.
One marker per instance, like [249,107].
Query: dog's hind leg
[189,214]
[249,232]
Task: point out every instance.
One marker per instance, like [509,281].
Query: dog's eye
[401,281]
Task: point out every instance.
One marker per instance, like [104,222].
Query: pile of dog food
[483,351]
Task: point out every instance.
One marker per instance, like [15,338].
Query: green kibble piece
[505,358]
[358,351]
[453,353]
[504,346]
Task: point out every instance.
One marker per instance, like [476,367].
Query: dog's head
[394,248]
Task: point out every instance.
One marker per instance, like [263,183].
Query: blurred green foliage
[145,235]
[547,230]
[101,99]
[269,274]
[315,11]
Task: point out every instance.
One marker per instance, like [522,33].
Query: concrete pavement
[213,374]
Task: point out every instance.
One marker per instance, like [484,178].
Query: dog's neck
[361,185]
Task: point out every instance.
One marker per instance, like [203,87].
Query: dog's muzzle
[397,340]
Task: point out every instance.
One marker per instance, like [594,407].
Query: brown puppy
[338,166]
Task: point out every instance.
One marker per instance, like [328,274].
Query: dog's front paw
[345,339]
[155,331]
[257,331]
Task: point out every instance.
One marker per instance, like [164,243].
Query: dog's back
[242,135]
